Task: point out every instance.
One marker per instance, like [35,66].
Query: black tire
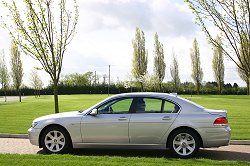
[59,138]
[183,143]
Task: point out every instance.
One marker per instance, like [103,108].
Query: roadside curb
[240,142]
[21,136]
[25,136]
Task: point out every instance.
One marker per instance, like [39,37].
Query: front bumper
[34,136]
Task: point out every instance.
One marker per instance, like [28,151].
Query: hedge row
[113,89]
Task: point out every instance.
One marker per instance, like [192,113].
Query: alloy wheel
[184,144]
[54,141]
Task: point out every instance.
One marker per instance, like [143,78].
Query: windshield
[94,106]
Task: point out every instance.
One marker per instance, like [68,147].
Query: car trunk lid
[217,112]
[220,117]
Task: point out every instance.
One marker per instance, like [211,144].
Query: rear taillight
[221,121]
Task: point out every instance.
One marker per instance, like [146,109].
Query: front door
[110,125]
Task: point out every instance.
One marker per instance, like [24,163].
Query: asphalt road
[11,98]
[232,152]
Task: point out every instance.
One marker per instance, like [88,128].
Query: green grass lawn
[6,159]
[16,117]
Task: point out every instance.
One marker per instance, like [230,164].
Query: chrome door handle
[166,118]
[122,118]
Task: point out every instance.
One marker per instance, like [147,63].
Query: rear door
[151,119]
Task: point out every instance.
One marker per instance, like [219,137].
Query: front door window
[116,107]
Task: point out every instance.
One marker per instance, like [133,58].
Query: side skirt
[118,146]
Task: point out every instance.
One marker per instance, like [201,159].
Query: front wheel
[184,143]
[55,140]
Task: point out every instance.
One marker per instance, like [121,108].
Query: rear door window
[154,105]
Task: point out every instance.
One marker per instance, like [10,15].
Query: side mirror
[93,112]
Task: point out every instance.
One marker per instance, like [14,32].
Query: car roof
[145,94]
[182,102]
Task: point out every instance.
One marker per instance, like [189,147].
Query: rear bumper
[216,137]
[34,136]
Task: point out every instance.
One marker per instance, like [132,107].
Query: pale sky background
[104,37]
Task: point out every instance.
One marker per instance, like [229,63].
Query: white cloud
[104,37]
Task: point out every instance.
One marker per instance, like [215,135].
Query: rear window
[191,102]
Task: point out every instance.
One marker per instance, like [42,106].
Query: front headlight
[34,124]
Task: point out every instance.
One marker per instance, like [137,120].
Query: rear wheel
[184,143]
[55,140]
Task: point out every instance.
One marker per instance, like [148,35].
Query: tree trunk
[198,88]
[56,98]
[141,86]
[5,95]
[248,87]
[220,88]
[20,97]
[175,88]
[160,87]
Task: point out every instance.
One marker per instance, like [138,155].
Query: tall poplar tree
[159,63]
[174,71]
[4,76]
[140,57]
[197,73]
[16,68]
[36,82]
[218,65]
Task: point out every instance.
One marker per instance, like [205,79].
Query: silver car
[137,121]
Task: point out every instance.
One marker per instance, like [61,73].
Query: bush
[185,88]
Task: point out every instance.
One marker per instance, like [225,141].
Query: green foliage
[4,76]
[140,57]
[197,73]
[151,83]
[159,63]
[44,33]
[16,67]
[36,82]
[244,49]
[174,71]
[218,64]
[231,19]
[77,79]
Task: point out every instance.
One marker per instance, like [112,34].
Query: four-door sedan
[137,121]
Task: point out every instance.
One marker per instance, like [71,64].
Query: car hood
[59,115]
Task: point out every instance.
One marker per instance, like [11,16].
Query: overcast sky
[104,37]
